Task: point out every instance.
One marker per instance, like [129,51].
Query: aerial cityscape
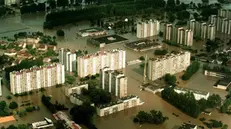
[115,64]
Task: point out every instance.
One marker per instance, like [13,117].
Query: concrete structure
[0,86]
[223,84]
[122,104]
[95,31]
[148,28]
[92,63]
[171,63]
[214,74]
[47,123]
[68,123]
[69,89]
[68,59]
[114,82]
[188,126]
[168,33]
[211,31]
[197,94]
[77,99]
[37,77]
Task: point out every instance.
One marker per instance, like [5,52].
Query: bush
[142,58]
[9,97]
[152,117]
[13,105]
[60,33]
[160,52]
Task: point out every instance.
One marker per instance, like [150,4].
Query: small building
[222,84]
[75,88]
[42,47]
[77,99]
[52,47]
[94,31]
[197,94]
[214,74]
[188,126]
[110,39]
[121,104]
[67,122]
[10,52]
[43,124]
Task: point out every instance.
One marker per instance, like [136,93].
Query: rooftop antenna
[145,68]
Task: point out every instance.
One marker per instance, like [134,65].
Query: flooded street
[123,119]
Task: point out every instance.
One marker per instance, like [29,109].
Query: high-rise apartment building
[92,63]
[211,31]
[195,26]
[0,86]
[180,35]
[68,59]
[168,33]
[172,64]
[114,82]
[148,28]
[204,30]
[36,78]
[188,39]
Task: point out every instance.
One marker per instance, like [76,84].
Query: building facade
[122,104]
[0,86]
[36,78]
[172,64]
[75,88]
[148,28]
[114,82]
[92,63]
[68,59]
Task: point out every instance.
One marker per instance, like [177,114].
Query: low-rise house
[121,104]
[223,84]
[10,52]
[46,60]
[46,123]
[75,88]
[52,47]
[69,124]
[42,47]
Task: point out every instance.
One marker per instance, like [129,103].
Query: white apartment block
[168,33]
[148,28]
[211,33]
[224,13]
[114,82]
[68,59]
[122,104]
[180,35]
[195,26]
[204,30]
[92,63]
[188,40]
[36,78]
[172,64]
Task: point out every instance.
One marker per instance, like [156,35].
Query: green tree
[60,33]
[13,105]
[213,101]
[203,104]
[170,79]
[142,58]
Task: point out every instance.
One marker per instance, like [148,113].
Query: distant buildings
[10,2]
[69,124]
[92,63]
[178,35]
[203,30]
[121,104]
[37,77]
[68,59]
[114,82]
[148,28]
[46,123]
[172,63]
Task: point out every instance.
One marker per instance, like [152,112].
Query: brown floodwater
[123,119]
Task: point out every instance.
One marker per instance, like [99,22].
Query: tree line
[187,102]
[192,69]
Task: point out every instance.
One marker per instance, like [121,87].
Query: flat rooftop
[93,29]
[6,119]
[187,126]
[191,90]
[223,82]
[110,39]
